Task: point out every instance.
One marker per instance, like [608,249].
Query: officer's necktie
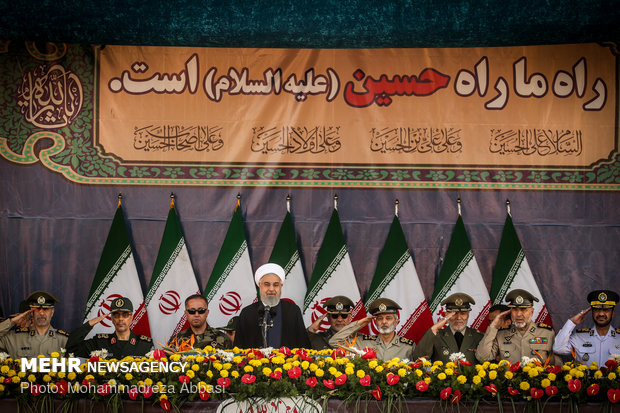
[459,338]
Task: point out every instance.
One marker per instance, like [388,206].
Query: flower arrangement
[210,374]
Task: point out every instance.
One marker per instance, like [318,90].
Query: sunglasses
[193,311]
[339,315]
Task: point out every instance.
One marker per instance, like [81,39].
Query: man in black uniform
[122,343]
[338,312]
[199,334]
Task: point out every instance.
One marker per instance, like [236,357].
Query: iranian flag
[512,271]
[397,279]
[460,274]
[172,282]
[286,254]
[116,276]
[231,284]
[333,275]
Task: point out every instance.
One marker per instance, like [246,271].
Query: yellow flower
[47,378]
[611,376]
[175,357]
[313,367]
[224,373]
[476,379]
[163,397]
[493,374]
[287,366]
[567,378]
[598,374]
[71,376]
[234,374]
[332,370]
[526,369]
[15,379]
[12,373]
[493,366]
[227,366]
[544,383]
[360,374]
[112,382]
[461,379]
[4,369]
[551,376]
[419,372]
[319,372]
[427,380]
[482,373]
[55,354]
[305,364]
[349,371]
[195,367]
[379,369]
[148,381]
[449,372]
[525,386]
[32,378]
[373,363]
[200,359]
[441,376]
[218,366]
[61,375]
[533,373]
[236,359]
[438,363]
[1,388]
[402,372]
[266,371]
[209,373]
[248,369]
[450,365]
[190,374]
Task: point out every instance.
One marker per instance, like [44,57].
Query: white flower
[150,354]
[225,356]
[527,360]
[3,356]
[615,357]
[454,357]
[266,351]
[102,354]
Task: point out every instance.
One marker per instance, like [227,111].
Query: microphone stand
[265,323]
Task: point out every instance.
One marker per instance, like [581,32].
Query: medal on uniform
[446,352]
[506,354]
[586,357]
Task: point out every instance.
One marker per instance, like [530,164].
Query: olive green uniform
[26,342]
[118,349]
[442,345]
[511,344]
[399,346]
[210,337]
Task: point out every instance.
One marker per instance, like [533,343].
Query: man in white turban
[271,322]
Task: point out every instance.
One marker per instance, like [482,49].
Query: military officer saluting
[439,343]
[338,313]
[523,338]
[34,335]
[121,343]
[595,344]
[387,344]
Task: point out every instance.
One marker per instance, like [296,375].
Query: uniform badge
[132,341]
[586,357]
[119,303]
[508,343]
[519,300]
[602,297]
[41,300]
[382,307]
[458,302]
[446,352]
[587,344]
[339,306]
[539,340]
[113,340]
[506,354]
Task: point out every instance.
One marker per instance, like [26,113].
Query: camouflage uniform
[210,337]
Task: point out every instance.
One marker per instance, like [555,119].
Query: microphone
[266,322]
[266,315]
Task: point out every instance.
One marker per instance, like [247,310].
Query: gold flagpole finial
[458,205]
[508,206]
[120,197]
[335,201]
[396,207]
[238,200]
[171,199]
[288,203]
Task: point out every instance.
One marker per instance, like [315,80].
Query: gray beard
[270,301]
[386,330]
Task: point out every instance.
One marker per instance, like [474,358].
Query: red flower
[147,392]
[392,378]
[613,395]
[204,395]
[377,393]
[93,359]
[513,392]
[369,354]
[35,390]
[311,381]
[611,364]
[329,384]
[340,380]
[445,393]
[248,378]
[515,366]
[551,391]
[456,397]
[593,389]
[276,375]
[554,369]
[303,354]
[365,381]
[491,388]
[63,387]
[339,352]
[574,385]
[103,389]
[7,379]
[223,381]
[133,393]
[165,404]
[536,393]
[421,385]
[286,351]
[184,379]
[294,372]
[159,354]
[415,365]
[465,362]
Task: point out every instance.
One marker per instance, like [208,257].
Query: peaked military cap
[458,302]
[121,304]
[603,299]
[42,299]
[383,306]
[339,305]
[520,299]
[232,324]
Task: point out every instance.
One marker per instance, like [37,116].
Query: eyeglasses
[338,315]
[193,311]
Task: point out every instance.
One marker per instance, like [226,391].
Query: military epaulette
[405,340]
[504,328]
[62,333]
[545,326]
[145,338]
[369,337]
[583,330]
[22,330]
[103,335]
[618,330]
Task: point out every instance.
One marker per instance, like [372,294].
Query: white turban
[269,268]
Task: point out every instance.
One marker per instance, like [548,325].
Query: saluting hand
[97,320]
[439,324]
[498,321]
[580,317]
[314,327]
[21,319]
[364,321]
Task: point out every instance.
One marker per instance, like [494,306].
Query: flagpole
[120,196]
[508,207]
[458,205]
[396,207]
[336,201]
[288,203]
[238,200]
[171,200]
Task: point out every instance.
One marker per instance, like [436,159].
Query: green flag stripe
[285,251]
[220,280]
[509,278]
[94,296]
[509,254]
[159,278]
[450,282]
[376,293]
[318,285]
